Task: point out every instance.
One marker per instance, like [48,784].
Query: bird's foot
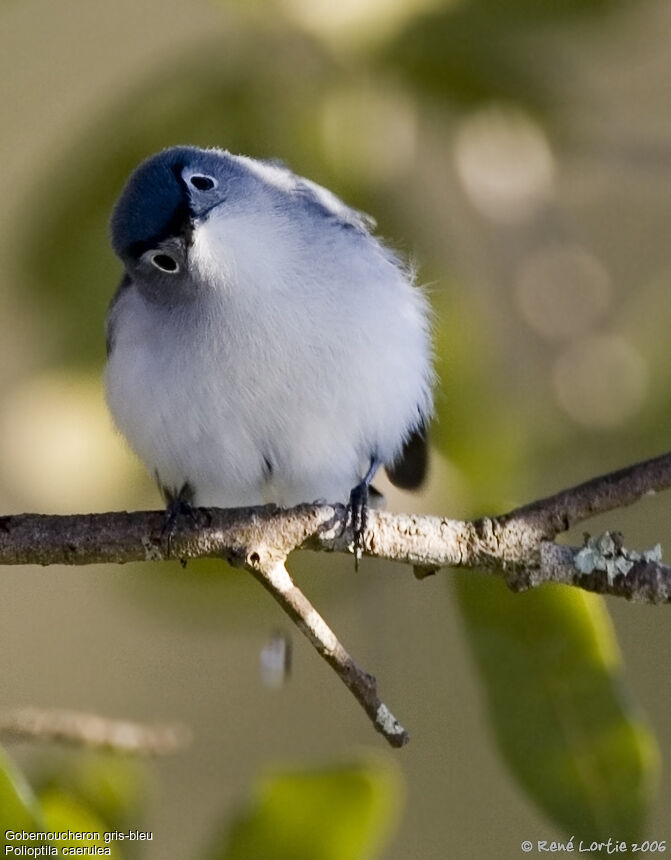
[357,518]
[178,504]
[357,509]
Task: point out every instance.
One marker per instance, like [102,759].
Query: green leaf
[19,809]
[113,787]
[338,813]
[63,813]
[561,715]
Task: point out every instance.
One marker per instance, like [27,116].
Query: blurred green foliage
[481,51]
[19,809]
[90,795]
[560,710]
[112,788]
[466,56]
[525,11]
[344,812]
[339,813]
[64,814]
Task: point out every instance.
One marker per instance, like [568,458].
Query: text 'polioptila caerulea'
[263,346]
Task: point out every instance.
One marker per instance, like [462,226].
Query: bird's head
[157,217]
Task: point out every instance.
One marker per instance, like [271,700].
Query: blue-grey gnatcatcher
[263,346]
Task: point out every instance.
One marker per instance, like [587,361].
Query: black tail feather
[410,469]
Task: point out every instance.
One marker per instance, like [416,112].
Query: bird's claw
[178,505]
[357,511]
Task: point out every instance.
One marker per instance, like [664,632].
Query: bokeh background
[520,154]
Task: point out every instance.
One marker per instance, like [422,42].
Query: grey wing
[330,205]
[409,470]
[111,316]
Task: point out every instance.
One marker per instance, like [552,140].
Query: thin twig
[599,495]
[275,578]
[92,730]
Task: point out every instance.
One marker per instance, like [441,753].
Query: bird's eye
[202,182]
[165,263]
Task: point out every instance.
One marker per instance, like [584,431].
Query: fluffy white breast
[308,354]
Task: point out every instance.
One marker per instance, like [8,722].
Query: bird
[263,345]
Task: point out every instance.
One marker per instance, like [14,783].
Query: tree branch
[519,545]
[92,730]
[274,577]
